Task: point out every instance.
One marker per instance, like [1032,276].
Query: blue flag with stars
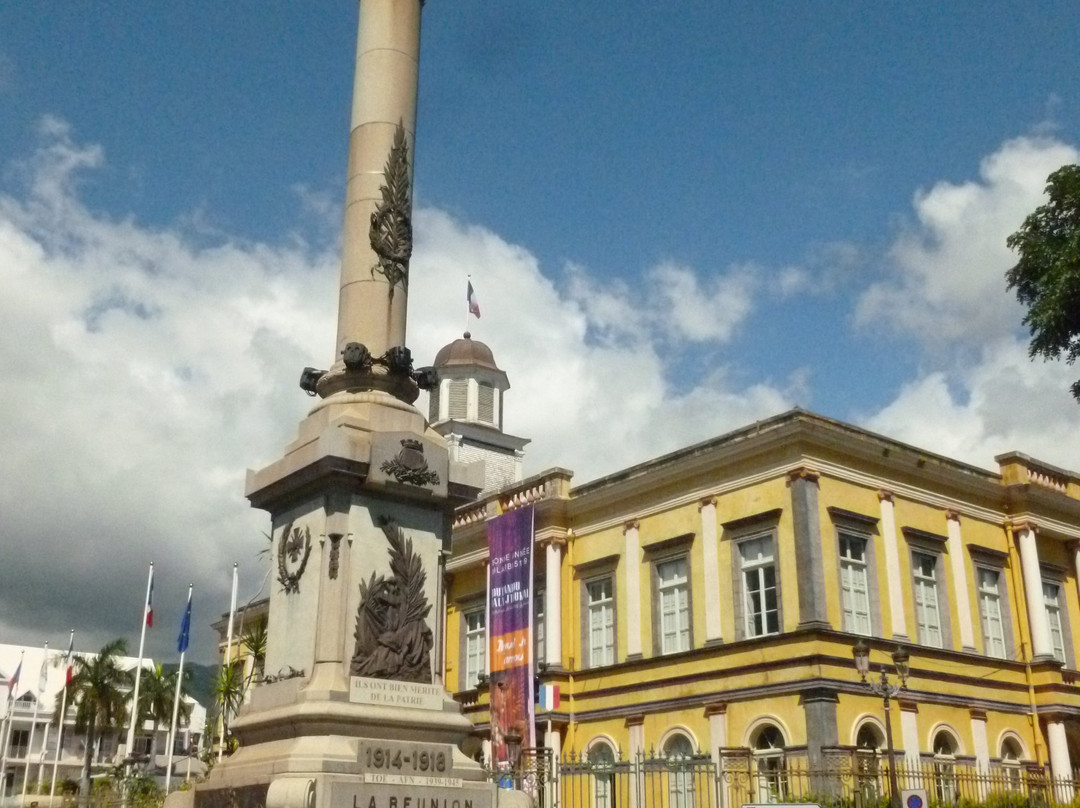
[185,628]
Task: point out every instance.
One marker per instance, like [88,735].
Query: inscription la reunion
[412,802]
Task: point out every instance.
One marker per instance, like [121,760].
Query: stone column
[980,745]
[553,555]
[958,562]
[811,584]
[717,715]
[1060,765]
[892,566]
[372,300]
[711,573]
[819,709]
[909,732]
[632,581]
[635,725]
[1041,647]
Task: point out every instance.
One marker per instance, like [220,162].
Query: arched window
[869,743]
[679,751]
[1011,754]
[768,748]
[601,759]
[945,747]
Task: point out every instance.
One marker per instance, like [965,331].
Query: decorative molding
[393,640]
[391,232]
[716,708]
[632,524]
[335,549]
[925,535]
[671,543]
[294,546]
[884,495]
[635,720]
[977,714]
[803,473]
[951,515]
[753,519]
[861,519]
[706,502]
[908,705]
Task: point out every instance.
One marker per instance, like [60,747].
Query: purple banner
[510,576]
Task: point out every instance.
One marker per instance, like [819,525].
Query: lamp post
[888,690]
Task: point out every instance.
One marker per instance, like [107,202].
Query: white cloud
[949,293]
[1002,402]
[948,270]
[144,369]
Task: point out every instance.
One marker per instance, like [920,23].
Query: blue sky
[678,218]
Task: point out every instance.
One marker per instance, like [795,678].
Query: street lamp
[887,690]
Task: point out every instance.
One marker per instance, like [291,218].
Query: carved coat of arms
[393,640]
[410,466]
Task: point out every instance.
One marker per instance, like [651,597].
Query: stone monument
[353,712]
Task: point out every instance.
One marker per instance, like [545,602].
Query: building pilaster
[957,558]
[808,560]
[1041,647]
[711,573]
[892,566]
[632,581]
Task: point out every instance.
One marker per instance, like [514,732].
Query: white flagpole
[138,673]
[176,699]
[63,710]
[5,741]
[228,657]
[33,723]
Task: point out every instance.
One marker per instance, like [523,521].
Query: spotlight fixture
[309,378]
[426,378]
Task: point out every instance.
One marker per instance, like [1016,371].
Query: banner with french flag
[549,698]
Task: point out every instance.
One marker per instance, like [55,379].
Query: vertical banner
[510,547]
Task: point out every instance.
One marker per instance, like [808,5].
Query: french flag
[150,604]
[474,303]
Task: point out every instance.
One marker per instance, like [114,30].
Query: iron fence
[841,778]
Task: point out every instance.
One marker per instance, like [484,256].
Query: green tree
[1047,276]
[254,642]
[99,689]
[228,696]
[157,690]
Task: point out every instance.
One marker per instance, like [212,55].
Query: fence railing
[845,779]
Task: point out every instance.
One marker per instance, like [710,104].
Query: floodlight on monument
[426,378]
[309,378]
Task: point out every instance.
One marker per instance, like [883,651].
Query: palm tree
[228,696]
[157,690]
[99,690]
[254,640]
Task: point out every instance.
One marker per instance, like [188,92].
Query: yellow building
[708,601]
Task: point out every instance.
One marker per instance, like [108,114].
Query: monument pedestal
[352,712]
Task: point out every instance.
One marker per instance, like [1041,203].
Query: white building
[26,742]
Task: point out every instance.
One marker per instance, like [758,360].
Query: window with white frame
[679,752]
[1052,600]
[1011,755]
[673,590]
[758,567]
[475,646]
[601,759]
[601,625]
[927,600]
[769,770]
[944,767]
[854,586]
[990,611]
[539,647]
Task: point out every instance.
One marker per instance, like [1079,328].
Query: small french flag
[549,697]
[474,302]
[150,602]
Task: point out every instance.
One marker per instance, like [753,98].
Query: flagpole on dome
[228,658]
[5,736]
[181,646]
[147,621]
[63,710]
[42,676]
